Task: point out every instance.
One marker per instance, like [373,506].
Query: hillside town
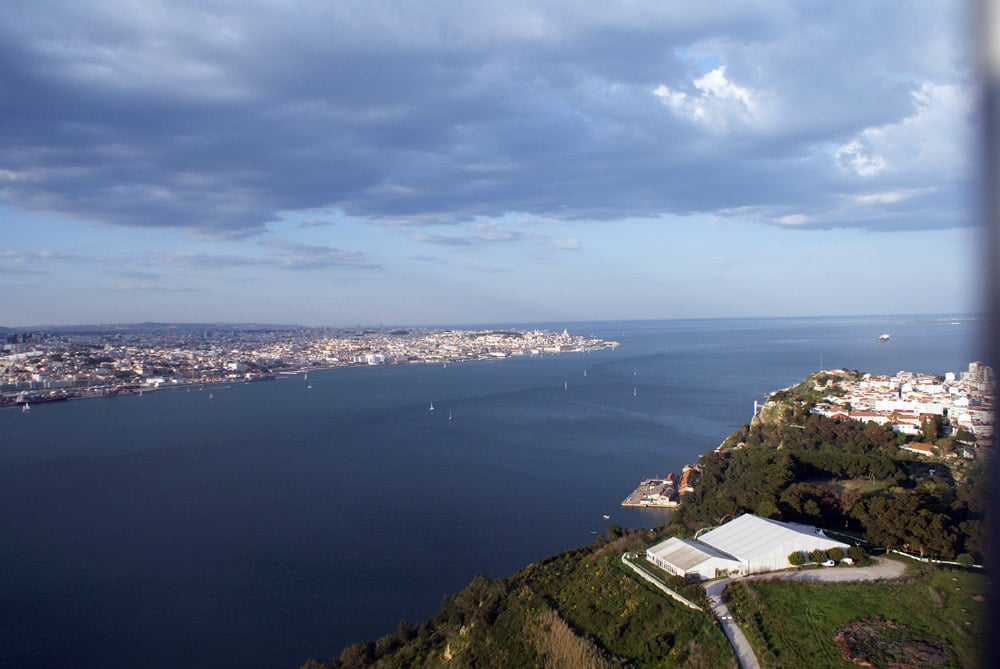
[43,366]
[907,401]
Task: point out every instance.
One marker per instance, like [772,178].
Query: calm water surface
[274,522]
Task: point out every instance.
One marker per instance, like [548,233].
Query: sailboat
[25,407]
[432,407]
[565,385]
[584,372]
[635,392]
[449,414]
[211,396]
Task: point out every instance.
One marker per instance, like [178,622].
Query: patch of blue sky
[702,62]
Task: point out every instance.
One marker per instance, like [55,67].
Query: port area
[653,492]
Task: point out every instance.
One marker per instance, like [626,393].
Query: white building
[748,544]
[687,558]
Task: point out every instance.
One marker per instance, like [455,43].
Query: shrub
[817,555]
[695,594]
[797,558]
[856,552]
[836,554]
[965,560]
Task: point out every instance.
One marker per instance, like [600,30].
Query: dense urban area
[47,366]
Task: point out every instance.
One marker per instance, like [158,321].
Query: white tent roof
[686,554]
[748,536]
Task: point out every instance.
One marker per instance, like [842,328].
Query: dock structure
[654,492]
[665,492]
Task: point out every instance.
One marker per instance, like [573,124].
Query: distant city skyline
[441,164]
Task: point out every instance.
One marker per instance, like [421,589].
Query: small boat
[882,338]
[432,407]
[607,517]
[211,396]
[584,372]
[25,407]
[309,387]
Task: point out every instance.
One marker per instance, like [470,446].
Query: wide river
[261,524]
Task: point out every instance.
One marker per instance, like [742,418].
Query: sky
[429,162]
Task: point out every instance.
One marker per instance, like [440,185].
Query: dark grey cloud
[215,118]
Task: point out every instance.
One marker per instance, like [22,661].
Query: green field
[794,624]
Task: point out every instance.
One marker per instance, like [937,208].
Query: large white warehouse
[748,544]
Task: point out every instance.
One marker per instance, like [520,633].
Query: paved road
[744,651]
[882,570]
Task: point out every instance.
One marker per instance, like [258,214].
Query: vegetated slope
[576,609]
[933,618]
[843,475]
[583,609]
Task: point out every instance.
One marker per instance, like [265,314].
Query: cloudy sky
[342,162]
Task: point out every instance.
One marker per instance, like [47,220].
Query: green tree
[933,428]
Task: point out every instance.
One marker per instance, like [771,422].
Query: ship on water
[882,338]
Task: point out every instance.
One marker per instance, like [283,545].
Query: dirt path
[883,569]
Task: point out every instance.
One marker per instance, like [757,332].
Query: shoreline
[12,400]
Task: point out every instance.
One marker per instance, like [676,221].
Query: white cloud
[793,219]
[565,244]
[718,104]
[861,155]
[933,139]
[888,197]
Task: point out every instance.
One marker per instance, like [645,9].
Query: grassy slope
[793,624]
[580,608]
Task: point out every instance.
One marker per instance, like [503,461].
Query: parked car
[829,563]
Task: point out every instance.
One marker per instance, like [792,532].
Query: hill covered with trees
[843,475]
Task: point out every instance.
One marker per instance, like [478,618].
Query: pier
[654,492]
